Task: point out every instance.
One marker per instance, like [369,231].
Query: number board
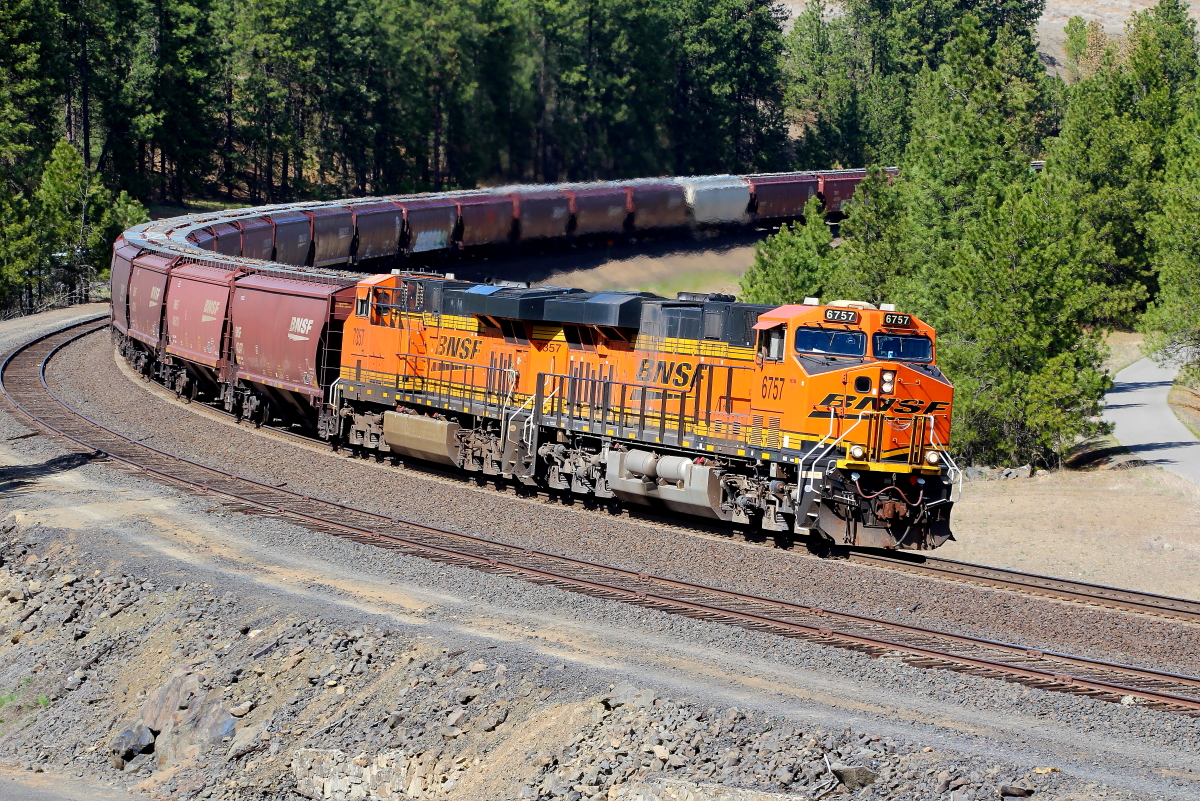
[902,320]
[841,316]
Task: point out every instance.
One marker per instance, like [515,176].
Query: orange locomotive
[831,418]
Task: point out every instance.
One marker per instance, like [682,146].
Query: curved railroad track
[22,378]
[908,561]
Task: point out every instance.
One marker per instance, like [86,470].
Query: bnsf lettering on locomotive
[676,374]
[211,306]
[458,347]
[300,325]
[898,405]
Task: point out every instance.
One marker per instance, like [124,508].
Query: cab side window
[771,343]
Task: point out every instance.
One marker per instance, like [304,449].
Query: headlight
[886,387]
[933,457]
[887,381]
[858,453]
[889,375]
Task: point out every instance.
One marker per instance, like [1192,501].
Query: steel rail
[919,646]
[1035,583]
[906,561]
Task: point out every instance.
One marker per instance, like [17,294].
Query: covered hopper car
[828,417]
[380,233]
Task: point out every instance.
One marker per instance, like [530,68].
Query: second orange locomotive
[832,417]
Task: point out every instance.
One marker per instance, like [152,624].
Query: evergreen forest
[107,106]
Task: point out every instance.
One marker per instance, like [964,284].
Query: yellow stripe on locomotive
[829,418]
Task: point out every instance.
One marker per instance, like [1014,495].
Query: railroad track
[22,378]
[906,561]
[1051,586]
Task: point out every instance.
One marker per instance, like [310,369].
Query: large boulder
[133,739]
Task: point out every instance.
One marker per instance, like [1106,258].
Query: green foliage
[1077,39]
[64,236]
[1173,321]
[853,75]
[1017,337]
[1116,133]
[794,264]
[43,701]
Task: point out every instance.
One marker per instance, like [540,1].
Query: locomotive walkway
[1146,425]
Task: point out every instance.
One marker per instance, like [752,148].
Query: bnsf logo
[212,306]
[676,374]
[300,325]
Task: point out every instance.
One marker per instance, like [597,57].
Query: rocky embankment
[178,689]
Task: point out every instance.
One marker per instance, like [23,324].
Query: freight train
[828,418]
[420,230]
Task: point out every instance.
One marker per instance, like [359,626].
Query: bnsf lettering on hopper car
[300,325]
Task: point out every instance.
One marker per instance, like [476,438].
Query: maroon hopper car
[258,238]
[147,292]
[379,227]
[600,209]
[293,234]
[542,213]
[228,239]
[658,205]
[287,334]
[430,222]
[197,313]
[123,254]
[837,187]
[202,238]
[333,233]
[782,196]
[486,219]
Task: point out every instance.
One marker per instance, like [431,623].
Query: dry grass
[1124,348]
[1083,525]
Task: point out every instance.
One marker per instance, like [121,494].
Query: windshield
[903,348]
[831,343]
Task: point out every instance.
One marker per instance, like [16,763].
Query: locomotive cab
[862,386]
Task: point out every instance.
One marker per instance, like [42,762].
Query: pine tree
[793,264]
[1172,321]
[1018,337]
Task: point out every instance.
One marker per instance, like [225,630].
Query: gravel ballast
[617,695]
[957,607]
